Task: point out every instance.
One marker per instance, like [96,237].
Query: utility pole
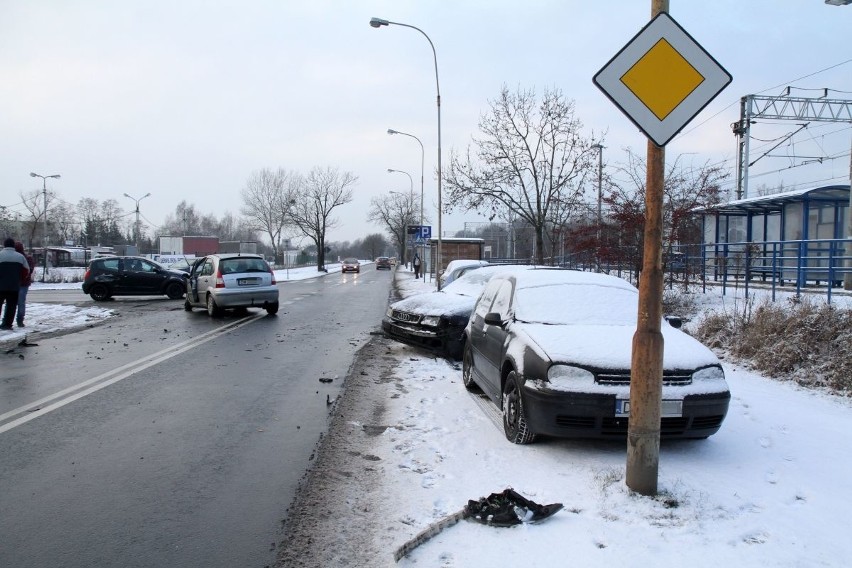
[138,222]
[44,240]
[646,370]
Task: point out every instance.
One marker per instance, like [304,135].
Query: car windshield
[577,304]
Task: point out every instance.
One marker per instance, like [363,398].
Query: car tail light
[220,282]
[272,275]
[86,275]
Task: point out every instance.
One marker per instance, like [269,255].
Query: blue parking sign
[425,232]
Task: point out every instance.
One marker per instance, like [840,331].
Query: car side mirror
[674,321]
[493,318]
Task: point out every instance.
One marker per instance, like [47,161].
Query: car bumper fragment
[445,341]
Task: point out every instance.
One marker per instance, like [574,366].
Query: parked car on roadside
[552,349]
[350,265]
[383,263]
[459,267]
[235,280]
[436,320]
[110,276]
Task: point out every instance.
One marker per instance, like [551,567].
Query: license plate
[668,408]
[248,281]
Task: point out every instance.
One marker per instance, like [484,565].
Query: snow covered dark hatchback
[552,348]
[436,320]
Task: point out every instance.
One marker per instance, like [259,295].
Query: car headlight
[568,377]
[389,313]
[713,373]
[430,321]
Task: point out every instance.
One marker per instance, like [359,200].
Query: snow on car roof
[457,297]
[551,276]
[471,283]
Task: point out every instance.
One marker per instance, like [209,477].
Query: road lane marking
[35,409]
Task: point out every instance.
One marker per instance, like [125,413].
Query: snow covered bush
[805,341]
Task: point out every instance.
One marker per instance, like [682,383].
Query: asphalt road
[165,438]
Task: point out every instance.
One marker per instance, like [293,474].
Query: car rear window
[233,265]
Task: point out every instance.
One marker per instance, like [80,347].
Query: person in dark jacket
[13,267]
[416,263]
[25,284]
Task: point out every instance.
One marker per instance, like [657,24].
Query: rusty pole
[646,374]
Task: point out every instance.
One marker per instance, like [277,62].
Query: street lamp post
[411,193]
[138,226]
[422,162]
[44,240]
[377,23]
[599,148]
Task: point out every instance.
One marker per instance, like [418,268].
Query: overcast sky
[185,99]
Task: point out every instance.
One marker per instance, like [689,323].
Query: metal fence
[819,265]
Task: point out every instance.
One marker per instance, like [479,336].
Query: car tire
[99,293]
[467,369]
[272,309]
[213,310]
[174,291]
[514,420]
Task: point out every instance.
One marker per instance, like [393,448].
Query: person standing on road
[415,262]
[25,284]
[13,267]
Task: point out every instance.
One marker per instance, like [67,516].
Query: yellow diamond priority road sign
[661,79]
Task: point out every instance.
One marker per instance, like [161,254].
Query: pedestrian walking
[415,262]
[25,284]
[13,267]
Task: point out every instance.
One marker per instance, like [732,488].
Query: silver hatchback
[225,281]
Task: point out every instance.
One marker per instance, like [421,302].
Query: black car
[552,349]
[383,263]
[436,320]
[131,276]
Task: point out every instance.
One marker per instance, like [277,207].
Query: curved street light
[410,193]
[422,162]
[138,228]
[377,23]
[44,191]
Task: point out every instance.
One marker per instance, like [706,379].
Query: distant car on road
[226,281]
[350,265]
[552,349]
[383,263]
[436,320]
[110,276]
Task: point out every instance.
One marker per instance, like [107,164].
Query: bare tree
[266,198]
[33,202]
[311,207]
[185,221]
[395,212]
[686,188]
[63,219]
[530,160]
[374,245]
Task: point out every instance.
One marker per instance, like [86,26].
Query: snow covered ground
[772,488]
